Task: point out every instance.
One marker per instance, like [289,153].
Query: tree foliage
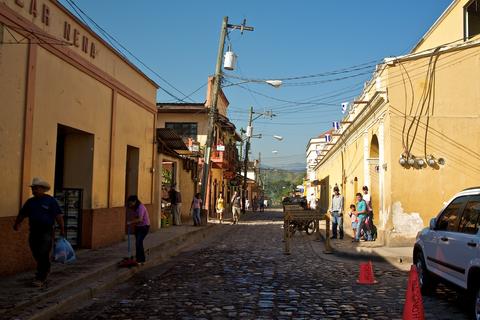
[280,183]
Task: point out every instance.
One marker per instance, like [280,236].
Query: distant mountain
[294,167]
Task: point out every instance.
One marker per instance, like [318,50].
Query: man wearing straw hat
[42,210]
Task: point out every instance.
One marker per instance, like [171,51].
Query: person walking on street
[336,211]
[141,223]
[42,210]
[175,204]
[195,208]
[368,200]
[362,216]
[220,207]
[178,207]
[236,207]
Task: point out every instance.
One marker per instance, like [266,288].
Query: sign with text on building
[194,148]
[229,175]
[73,34]
[220,147]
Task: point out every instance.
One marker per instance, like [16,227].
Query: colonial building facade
[77,114]
[412,136]
[190,121]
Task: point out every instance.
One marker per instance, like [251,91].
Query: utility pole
[212,117]
[245,162]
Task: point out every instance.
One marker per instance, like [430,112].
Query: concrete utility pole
[217,81]
[247,148]
[245,161]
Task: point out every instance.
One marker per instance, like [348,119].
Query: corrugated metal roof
[171,139]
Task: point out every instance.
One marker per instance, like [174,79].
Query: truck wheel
[427,282]
[477,304]
[475,299]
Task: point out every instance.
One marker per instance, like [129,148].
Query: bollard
[328,247]
[317,230]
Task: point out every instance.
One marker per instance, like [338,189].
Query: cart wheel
[310,228]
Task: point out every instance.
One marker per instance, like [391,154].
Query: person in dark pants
[42,210]
[141,221]
[336,211]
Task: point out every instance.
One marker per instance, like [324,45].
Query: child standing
[354,219]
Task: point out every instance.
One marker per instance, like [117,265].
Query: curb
[73,293]
[373,256]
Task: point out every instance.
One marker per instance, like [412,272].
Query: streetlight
[274,83]
[279,138]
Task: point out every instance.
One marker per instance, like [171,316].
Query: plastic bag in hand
[63,252]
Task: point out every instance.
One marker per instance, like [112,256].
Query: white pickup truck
[449,249]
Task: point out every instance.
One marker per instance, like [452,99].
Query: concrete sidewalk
[368,250]
[93,272]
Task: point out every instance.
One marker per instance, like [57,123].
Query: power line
[363,66]
[79,12]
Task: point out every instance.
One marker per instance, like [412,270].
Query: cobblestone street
[243,274]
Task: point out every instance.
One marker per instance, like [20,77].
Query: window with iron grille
[184,129]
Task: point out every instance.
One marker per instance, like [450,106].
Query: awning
[170,139]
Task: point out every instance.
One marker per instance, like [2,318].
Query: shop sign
[76,37]
[220,147]
[229,175]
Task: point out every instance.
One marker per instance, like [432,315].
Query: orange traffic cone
[413,308]
[366,274]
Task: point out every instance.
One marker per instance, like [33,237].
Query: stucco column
[381,173]
[366,155]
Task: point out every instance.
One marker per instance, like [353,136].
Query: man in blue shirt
[42,210]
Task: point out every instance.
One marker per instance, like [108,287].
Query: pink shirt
[197,203]
[142,214]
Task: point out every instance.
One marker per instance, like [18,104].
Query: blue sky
[179,40]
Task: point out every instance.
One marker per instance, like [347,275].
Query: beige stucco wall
[105,59]
[13,70]
[449,28]
[453,134]
[184,183]
[352,155]
[135,127]
[67,99]
[64,95]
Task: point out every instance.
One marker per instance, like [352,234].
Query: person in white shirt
[336,210]
[368,199]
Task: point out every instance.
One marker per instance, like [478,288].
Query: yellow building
[190,121]
[412,136]
[77,114]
